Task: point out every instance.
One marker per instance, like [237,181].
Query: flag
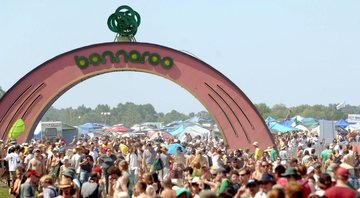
[340,106]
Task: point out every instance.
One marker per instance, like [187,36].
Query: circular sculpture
[125,21]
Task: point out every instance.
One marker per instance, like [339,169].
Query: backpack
[158,164]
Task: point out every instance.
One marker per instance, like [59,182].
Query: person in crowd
[13,160]
[341,188]
[266,183]
[168,192]
[105,161]
[20,179]
[140,190]
[125,182]
[86,163]
[67,188]
[148,158]
[178,163]
[27,189]
[48,188]
[91,188]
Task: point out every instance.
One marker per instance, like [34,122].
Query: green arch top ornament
[125,22]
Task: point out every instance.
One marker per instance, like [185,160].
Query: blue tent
[89,127]
[287,123]
[342,123]
[177,131]
[269,120]
[276,127]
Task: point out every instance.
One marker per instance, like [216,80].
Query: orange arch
[234,113]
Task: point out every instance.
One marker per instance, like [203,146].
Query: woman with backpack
[48,189]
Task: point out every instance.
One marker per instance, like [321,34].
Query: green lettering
[124,53]
[154,59]
[111,56]
[167,62]
[134,56]
[95,59]
[82,62]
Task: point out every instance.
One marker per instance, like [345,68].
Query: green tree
[279,111]
[263,110]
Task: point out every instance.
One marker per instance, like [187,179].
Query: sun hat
[256,143]
[65,183]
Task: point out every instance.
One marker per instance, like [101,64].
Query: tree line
[130,113]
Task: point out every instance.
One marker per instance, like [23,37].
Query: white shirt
[13,159]
[133,160]
[75,162]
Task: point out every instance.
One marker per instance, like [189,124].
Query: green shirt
[273,154]
[325,155]
[224,183]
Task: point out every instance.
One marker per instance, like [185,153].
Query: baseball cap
[267,178]
[32,172]
[342,172]
[252,182]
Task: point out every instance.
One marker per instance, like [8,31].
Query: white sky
[290,52]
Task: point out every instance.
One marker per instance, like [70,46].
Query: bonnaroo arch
[32,95]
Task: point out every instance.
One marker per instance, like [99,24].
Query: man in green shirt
[324,155]
[27,189]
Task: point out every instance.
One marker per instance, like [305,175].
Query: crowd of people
[196,167]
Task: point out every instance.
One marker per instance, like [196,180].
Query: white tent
[194,131]
[354,127]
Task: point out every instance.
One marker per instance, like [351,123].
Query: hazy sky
[290,52]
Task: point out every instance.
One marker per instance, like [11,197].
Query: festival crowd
[195,167]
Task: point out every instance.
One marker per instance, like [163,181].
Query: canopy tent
[194,119]
[354,127]
[342,123]
[287,123]
[310,123]
[89,127]
[269,120]
[276,127]
[176,131]
[153,134]
[118,128]
[301,127]
[194,131]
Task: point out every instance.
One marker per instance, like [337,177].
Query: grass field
[4,191]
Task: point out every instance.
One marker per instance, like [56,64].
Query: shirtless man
[168,192]
[37,163]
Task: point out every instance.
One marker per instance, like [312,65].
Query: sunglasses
[264,165]
[242,175]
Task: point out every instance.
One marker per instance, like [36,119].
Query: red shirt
[340,191]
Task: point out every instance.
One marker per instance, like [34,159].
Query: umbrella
[172,148]
[17,129]
[118,128]
[163,134]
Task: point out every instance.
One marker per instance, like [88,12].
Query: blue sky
[289,52]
